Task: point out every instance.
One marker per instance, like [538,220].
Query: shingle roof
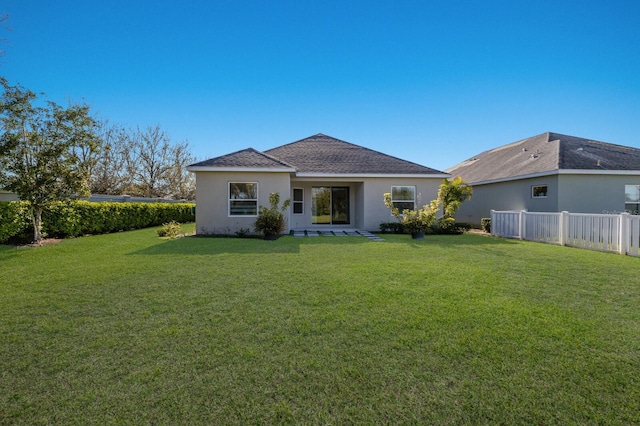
[546,153]
[245,158]
[322,154]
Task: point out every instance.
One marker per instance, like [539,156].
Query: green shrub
[270,221]
[171,229]
[14,221]
[73,218]
[463,226]
[485,224]
[391,228]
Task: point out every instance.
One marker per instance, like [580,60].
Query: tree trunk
[36,216]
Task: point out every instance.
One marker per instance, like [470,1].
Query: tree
[4,17]
[40,150]
[181,182]
[452,193]
[107,169]
[156,167]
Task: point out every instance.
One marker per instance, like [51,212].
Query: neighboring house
[552,173]
[331,183]
[8,196]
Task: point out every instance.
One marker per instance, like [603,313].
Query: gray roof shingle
[322,154]
[546,153]
[245,158]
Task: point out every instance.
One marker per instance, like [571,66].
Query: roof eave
[560,172]
[241,169]
[374,175]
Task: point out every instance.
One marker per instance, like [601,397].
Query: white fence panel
[602,232]
[543,227]
[507,224]
[593,231]
[634,236]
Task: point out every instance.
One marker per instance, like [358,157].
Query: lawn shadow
[199,245]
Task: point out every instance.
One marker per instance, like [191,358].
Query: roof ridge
[284,163]
[321,146]
[308,137]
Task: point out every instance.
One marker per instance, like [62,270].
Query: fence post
[493,222]
[625,233]
[564,219]
[522,225]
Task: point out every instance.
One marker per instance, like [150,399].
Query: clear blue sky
[431,82]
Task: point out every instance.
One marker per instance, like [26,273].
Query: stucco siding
[576,193]
[510,195]
[303,221]
[375,188]
[594,193]
[212,197]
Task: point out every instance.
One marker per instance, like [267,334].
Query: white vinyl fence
[619,233]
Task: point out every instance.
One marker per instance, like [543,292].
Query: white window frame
[295,202]
[394,201]
[232,198]
[632,206]
[533,191]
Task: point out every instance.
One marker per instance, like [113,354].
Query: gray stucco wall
[577,193]
[375,188]
[594,193]
[212,198]
[366,198]
[512,195]
[367,209]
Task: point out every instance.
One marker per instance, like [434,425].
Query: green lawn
[128,328]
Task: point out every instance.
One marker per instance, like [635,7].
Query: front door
[330,205]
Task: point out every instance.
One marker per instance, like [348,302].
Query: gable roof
[245,159]
[319,155]
[546,153]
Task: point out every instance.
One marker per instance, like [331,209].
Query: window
[243,198]
[403,197]
[298,201]
[632,199]
[539,191]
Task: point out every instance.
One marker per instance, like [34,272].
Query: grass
[130,328]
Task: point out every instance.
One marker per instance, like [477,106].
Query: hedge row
[74,218]
[454,228]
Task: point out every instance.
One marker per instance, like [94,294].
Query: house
[551,173]
[330,182]
[8,196]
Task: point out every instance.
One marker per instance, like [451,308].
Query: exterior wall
[212,198]
[597,193]
[594,193]
[303,221]
[373,197]
[512,195]
[367,209]
[366,199]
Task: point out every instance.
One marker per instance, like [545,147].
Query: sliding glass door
[330,205]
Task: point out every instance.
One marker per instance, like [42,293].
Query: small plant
[243,233]
[417,222]
[450,226]
[414,221]
[391,228]
[271,221]
[485,224]
[170,230]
